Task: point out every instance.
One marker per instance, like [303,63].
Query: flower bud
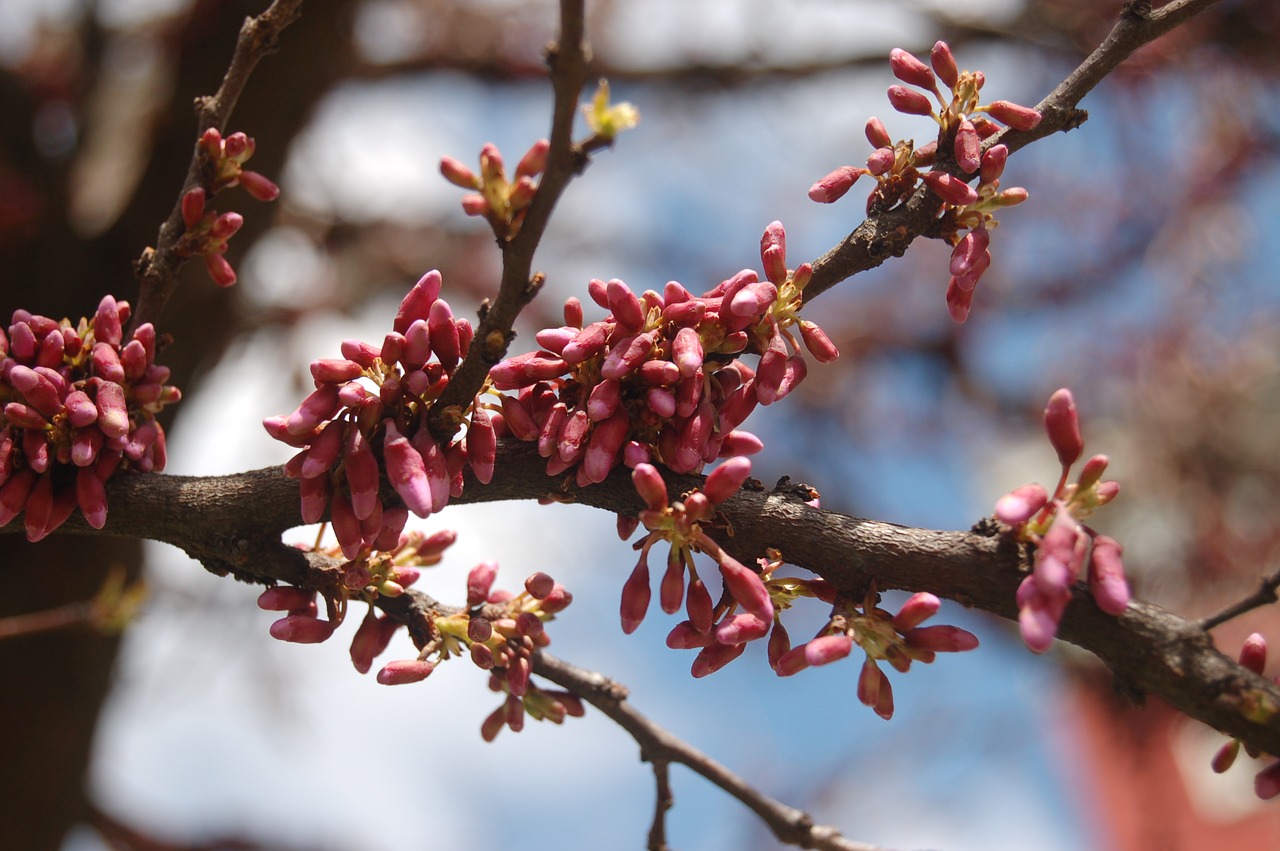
[1017,117]
[1063,425]
[834,186]
[909,101]
[405,671]
[944,64]
[635,597]
[911,70]
[302,629]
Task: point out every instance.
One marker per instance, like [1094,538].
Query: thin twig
[789,825]
[663,800]
[157,269]
[1264,596]
[568,60]
[47,620]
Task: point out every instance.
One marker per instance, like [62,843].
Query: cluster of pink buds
[1266,785]
[501,202]
[964,124]
[207,231]
[1064,545]
[897,639]
[720,632]
[380,396]
[659,379]
[499,630]
[393,564]
[77,403]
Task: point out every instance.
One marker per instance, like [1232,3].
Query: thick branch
[157,269]
[231,524]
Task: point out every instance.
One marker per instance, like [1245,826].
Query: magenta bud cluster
[1066,549]
[661,379]
[77,404]
[897,639]
[207,230]
[367,419]
[502,202]
[964,125]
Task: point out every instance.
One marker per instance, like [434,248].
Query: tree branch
[231,524]
[568,59]
[890,233]
[157,268]
[792,826]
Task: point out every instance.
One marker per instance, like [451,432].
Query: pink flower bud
[362,474]
[535,159]
[635,597]
[458,174]
[526,369]
[826,649]
[740,629]
[192,208]
[1092,472]
[684,636]
[627,355]
[649,484]
[606,440]
[725,480]
[834,186]
[714,657]
[959,300]
[1225,757]
[405,671]
[909,101]
[745,586]
[968,147]
[482,445]
[874,689]
[941,639]
[370,639]
[1038,619]
[993,162]
[570,445]
[944,64]
[259,186]
[773,369]
[881,161]
[1253,653]
[444,334]
[625,305]
[302,629]
[480,582]
[518,419]
[37,389]
[1106,576]
[877,135]
[406,471]
[1266,783]
[949,188]
[113,414]
[1063,425]
[671,588]
[315,498]
[911,70]
[918,608]
[818,343]
[14,493]
[1020,505]
[1017,117]
[590,341]
[417,302]
[773,253]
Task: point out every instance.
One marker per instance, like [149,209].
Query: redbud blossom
[944,64]
[1063,425]
[909,101]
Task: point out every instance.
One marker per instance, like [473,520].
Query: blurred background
[1140,274]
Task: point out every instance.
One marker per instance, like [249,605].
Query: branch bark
[231,524]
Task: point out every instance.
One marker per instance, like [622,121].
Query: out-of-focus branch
[657,745]
[568,59]
[231,524]
[1264,596]
[157,268]
[890,233]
